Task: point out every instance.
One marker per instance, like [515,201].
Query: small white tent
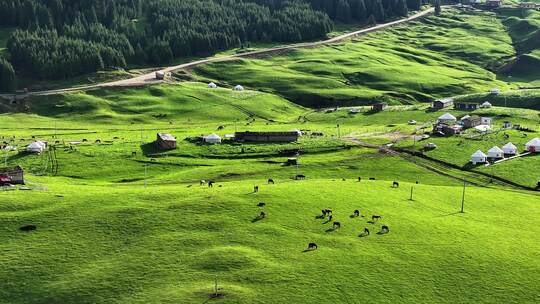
[212,85]
[212,138]
[36,146]
[495,152]
[533,146]
[478,157]
[486,105]
[238,88]
[510,149]
[446,118]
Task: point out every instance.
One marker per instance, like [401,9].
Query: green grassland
[438,56]
[114,227]
[120,222]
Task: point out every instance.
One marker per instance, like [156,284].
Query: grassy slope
[104,238]
[167,244]
[437,57]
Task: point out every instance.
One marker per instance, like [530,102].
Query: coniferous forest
[57,39]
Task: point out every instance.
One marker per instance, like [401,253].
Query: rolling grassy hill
[438,56]
[168,244]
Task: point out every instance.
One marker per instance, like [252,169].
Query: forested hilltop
[62,38]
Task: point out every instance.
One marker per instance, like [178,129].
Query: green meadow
[119,221]
[450,55]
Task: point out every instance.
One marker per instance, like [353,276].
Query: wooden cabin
[165,141]
[267,136]
[12,176]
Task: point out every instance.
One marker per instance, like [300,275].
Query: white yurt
[495,152]
[297,132]
[533,146]
[160,75]
[510,149]
[36,146]
[446,118]
[478,157]
[486,105]
[238,88]
[212,85]
[212,138]
[495,91]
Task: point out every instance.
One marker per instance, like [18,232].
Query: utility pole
[463,197]
[411,198]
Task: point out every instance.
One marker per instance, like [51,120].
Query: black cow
[262,215]
[359,179]
[133,153]
[356,213]
[300,176]
[312,246]
[210,184]
[385,229]
[395,185]
[336,225]
[261,204]
[372,178]
[270,181]
[220,128]
[376,217]
[27,228]
[256,189]
[330,218]
[366,231]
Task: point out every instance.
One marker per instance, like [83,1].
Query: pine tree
[8,79]
[437,7]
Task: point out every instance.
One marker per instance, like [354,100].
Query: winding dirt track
[151,79]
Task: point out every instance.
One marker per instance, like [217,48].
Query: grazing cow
[116,137]
[133,153]
[220,128]
[323,211]
[56,141]
[33,137]
[84,140]
[356,213]
[27,228]
[202,182]
[372,178]
[210,184]
[395,185]
[417,182]
[270,181]
[262,215]
[98,141]
[330,218]
[328,211]
[256,189]
[366,231]
[336,225]
[261,204]
[385,229]
[312,246]
[359,179]
[376,217]
[300,176]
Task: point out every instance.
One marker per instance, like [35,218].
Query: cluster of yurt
[480,157]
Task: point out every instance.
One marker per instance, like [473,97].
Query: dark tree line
[63,38]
